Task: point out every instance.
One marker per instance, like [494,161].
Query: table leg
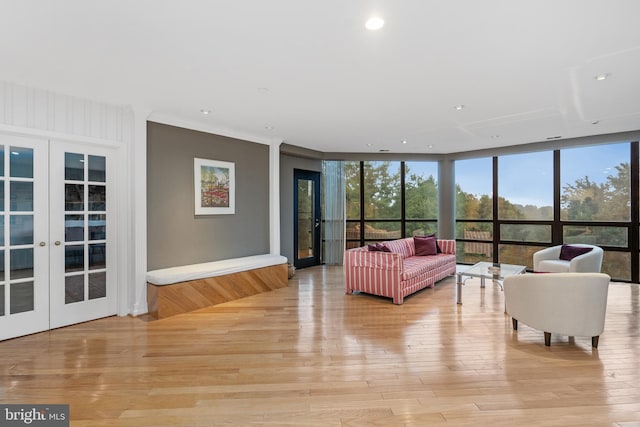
[459,288]
[482,281]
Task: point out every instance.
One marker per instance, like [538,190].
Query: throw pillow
[425,246]
[378,247]
[383,247]
[568,252]
[438,250]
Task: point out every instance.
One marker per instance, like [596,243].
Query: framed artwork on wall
[214,183]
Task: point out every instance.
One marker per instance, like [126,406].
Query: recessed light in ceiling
[369,145]
[269,127]
[595,122]
[404,141]
[495,136]
[383,150]
[459,107]
[374,23]
[430,146]
[263,90]
[601,77]
[205,111]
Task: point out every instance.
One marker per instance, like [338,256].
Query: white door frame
[123,193]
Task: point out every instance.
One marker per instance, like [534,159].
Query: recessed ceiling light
[383,150]
[404,141]
[459,107]
[495,136]
[595,122]
[269,127]
[205,111]
[430,146]
[263,90]
[369,145]
[374,23]
[601,77]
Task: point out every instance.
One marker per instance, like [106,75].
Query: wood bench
[177,290]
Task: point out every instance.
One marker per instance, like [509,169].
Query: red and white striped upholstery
[398,273]
[405,247]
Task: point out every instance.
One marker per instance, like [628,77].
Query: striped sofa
[398,273]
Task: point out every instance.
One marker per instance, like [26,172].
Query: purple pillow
[378,247]
[568,252]
[425,246]
[438,250]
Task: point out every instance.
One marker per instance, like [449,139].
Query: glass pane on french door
[83,262]
[24,255]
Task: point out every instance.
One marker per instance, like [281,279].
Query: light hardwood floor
[309,355]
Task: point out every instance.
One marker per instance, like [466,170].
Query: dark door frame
[300,174]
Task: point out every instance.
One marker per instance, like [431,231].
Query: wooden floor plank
[309,355]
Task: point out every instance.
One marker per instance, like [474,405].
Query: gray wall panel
[176,236]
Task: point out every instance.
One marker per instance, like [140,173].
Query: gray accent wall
[287,164]
[175,235]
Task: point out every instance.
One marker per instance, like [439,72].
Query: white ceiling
[309,73]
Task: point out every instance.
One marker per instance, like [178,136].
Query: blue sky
[528,178]
[423,168]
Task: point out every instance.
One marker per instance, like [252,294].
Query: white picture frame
[214,184]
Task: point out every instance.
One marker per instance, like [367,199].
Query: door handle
[317,224]
[57,243]
[43,244]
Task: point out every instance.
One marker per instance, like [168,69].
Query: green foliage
[586,200]
[382,194]
[352,189]
[382,190]
[421,196]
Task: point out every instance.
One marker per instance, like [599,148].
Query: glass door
[307,218]
[83,283]
[24,252]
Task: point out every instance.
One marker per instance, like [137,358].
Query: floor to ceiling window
[387,200]
[382,204]
[474,210]
[595,202]
[420,198]
[508,206]
[572,195]
[353,212]
[525,205]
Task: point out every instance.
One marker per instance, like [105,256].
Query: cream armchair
[548,260]
[572,304]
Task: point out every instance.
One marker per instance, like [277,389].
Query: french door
[56,249]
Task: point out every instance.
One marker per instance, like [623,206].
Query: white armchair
[548,260]
[572,304]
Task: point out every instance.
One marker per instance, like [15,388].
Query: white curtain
[334,211]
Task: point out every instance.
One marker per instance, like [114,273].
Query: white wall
[48,115]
